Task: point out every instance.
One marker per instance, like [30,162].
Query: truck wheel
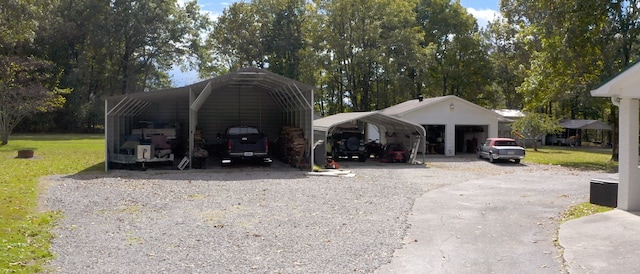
[362,157]
[517,161]
[491,160]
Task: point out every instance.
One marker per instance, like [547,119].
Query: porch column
[629,181]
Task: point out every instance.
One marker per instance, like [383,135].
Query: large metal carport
[287,103]
[405,132]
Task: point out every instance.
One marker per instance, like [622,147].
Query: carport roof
[289,93]
[584,124]
[372,117]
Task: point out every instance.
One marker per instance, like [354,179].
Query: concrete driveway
[504,222]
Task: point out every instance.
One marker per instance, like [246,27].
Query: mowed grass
[584,158]
[24,232]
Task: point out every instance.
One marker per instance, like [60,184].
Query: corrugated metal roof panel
[584,124]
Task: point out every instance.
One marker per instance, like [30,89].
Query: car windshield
[505,143]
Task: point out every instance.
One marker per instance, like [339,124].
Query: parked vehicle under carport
[349,143]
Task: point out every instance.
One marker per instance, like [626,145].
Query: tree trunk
[5,138]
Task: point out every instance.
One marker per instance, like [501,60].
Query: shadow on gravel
[249,171]
[214,171]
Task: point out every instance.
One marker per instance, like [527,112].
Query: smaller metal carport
[577,127]
[405,132]
[584,124]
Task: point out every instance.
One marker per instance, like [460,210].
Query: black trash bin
[604,192]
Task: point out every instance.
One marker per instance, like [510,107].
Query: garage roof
[416,104]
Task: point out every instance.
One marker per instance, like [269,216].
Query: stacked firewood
[292,145]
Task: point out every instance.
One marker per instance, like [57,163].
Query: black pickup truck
[245,143]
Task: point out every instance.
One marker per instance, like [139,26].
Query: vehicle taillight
[266,145]
[229,145]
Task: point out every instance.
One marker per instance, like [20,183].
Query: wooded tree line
[542,56]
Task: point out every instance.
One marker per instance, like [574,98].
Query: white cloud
[484,16]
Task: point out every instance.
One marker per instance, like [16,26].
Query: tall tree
[575,45]
[236,39]
[27,85]
[19,20]
[509,60]
[115,47]
[458,60]
[284,38]
[367,47]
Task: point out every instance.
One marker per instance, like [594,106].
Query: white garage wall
[451,112]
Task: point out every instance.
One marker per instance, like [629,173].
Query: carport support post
[193,120]
[628,185]
[106,135]
[450,140]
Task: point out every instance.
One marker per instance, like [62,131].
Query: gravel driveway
[255,219]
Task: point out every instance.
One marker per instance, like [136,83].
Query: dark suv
[349,143]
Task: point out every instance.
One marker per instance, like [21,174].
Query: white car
[501,149]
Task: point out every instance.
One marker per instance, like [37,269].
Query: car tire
[362,157]
[491,160]
[517,161]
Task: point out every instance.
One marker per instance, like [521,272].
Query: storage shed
[188,118]
[453,125]
[392,130]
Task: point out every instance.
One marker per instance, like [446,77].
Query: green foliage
[536,125]
[458,56]
[27,85]
[543,56]
[25,232]
[20,20]
[106,48]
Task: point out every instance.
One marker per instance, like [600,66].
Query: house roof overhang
[623,85]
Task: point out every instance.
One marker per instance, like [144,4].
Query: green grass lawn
[24,232]
[585,158]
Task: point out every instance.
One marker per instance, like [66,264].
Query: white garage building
[453,125]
